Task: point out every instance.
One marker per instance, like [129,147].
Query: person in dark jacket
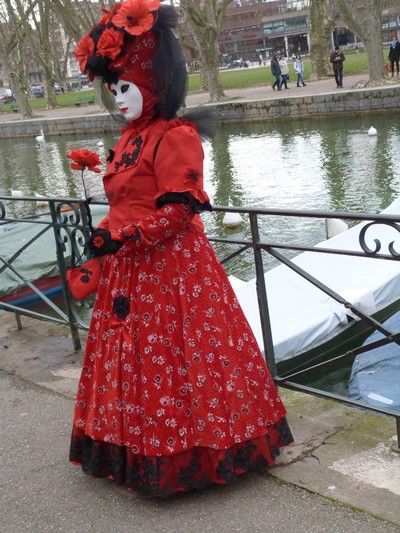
[276,71]
[394,54]
[337,58]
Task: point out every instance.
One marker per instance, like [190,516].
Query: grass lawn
[231,79]
[63,100]
[248,77]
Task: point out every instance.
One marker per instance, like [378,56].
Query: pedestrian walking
[337,58]
[394,54]
[284,71]
[299,69]
[276,71]
[174,394]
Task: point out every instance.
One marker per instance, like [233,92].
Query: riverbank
[252,104]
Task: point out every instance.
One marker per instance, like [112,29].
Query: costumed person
[337,59]
[394,54]
[174,393]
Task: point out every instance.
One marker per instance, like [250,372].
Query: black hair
[169,63]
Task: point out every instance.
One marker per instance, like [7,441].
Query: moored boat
[30,250]
[375,375]
[309,326]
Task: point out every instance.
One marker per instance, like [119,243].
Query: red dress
[174,393]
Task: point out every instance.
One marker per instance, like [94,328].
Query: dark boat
[375,375]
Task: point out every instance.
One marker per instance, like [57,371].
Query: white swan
[40,138]
[372,131]
[232,220]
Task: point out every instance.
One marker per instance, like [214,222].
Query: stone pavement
[342,457]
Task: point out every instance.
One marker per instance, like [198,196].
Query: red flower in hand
[85,159]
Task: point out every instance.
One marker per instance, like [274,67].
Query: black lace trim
[183,198]
[188,470]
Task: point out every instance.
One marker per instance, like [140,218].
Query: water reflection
[321,164]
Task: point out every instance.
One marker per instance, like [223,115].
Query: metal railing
[67,219]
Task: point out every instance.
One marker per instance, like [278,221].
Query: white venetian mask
[128,98]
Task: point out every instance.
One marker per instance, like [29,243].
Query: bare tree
[78,17]
[205,21]
[321,26]
[32,23]
[363,17]
[12,59]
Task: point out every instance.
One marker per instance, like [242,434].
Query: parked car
[7,96]
[235,64]
[57,89]
[38,91]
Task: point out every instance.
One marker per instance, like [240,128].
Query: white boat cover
[37,260]
[303,316]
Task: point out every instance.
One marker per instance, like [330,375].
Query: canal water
[330,164]
[313,164]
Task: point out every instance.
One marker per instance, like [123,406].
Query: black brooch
[121,307]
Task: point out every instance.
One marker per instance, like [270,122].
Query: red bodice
[161,158]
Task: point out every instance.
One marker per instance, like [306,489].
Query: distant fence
[65,224]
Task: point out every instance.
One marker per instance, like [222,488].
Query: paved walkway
[342,457]
[259,92]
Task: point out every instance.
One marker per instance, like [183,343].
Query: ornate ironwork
[378,244]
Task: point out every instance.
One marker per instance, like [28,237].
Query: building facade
[254,31]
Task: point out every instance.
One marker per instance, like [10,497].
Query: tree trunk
[205,20]
[364,20]
[12,60]
[211,66]
[321,26]
[373,43]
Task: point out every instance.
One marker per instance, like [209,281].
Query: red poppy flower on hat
[136,16]
[110,43]
[109,13]
[85,159]
[84,50]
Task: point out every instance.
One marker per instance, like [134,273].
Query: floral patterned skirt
[174,393]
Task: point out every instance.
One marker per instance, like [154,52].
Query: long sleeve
[158,226]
